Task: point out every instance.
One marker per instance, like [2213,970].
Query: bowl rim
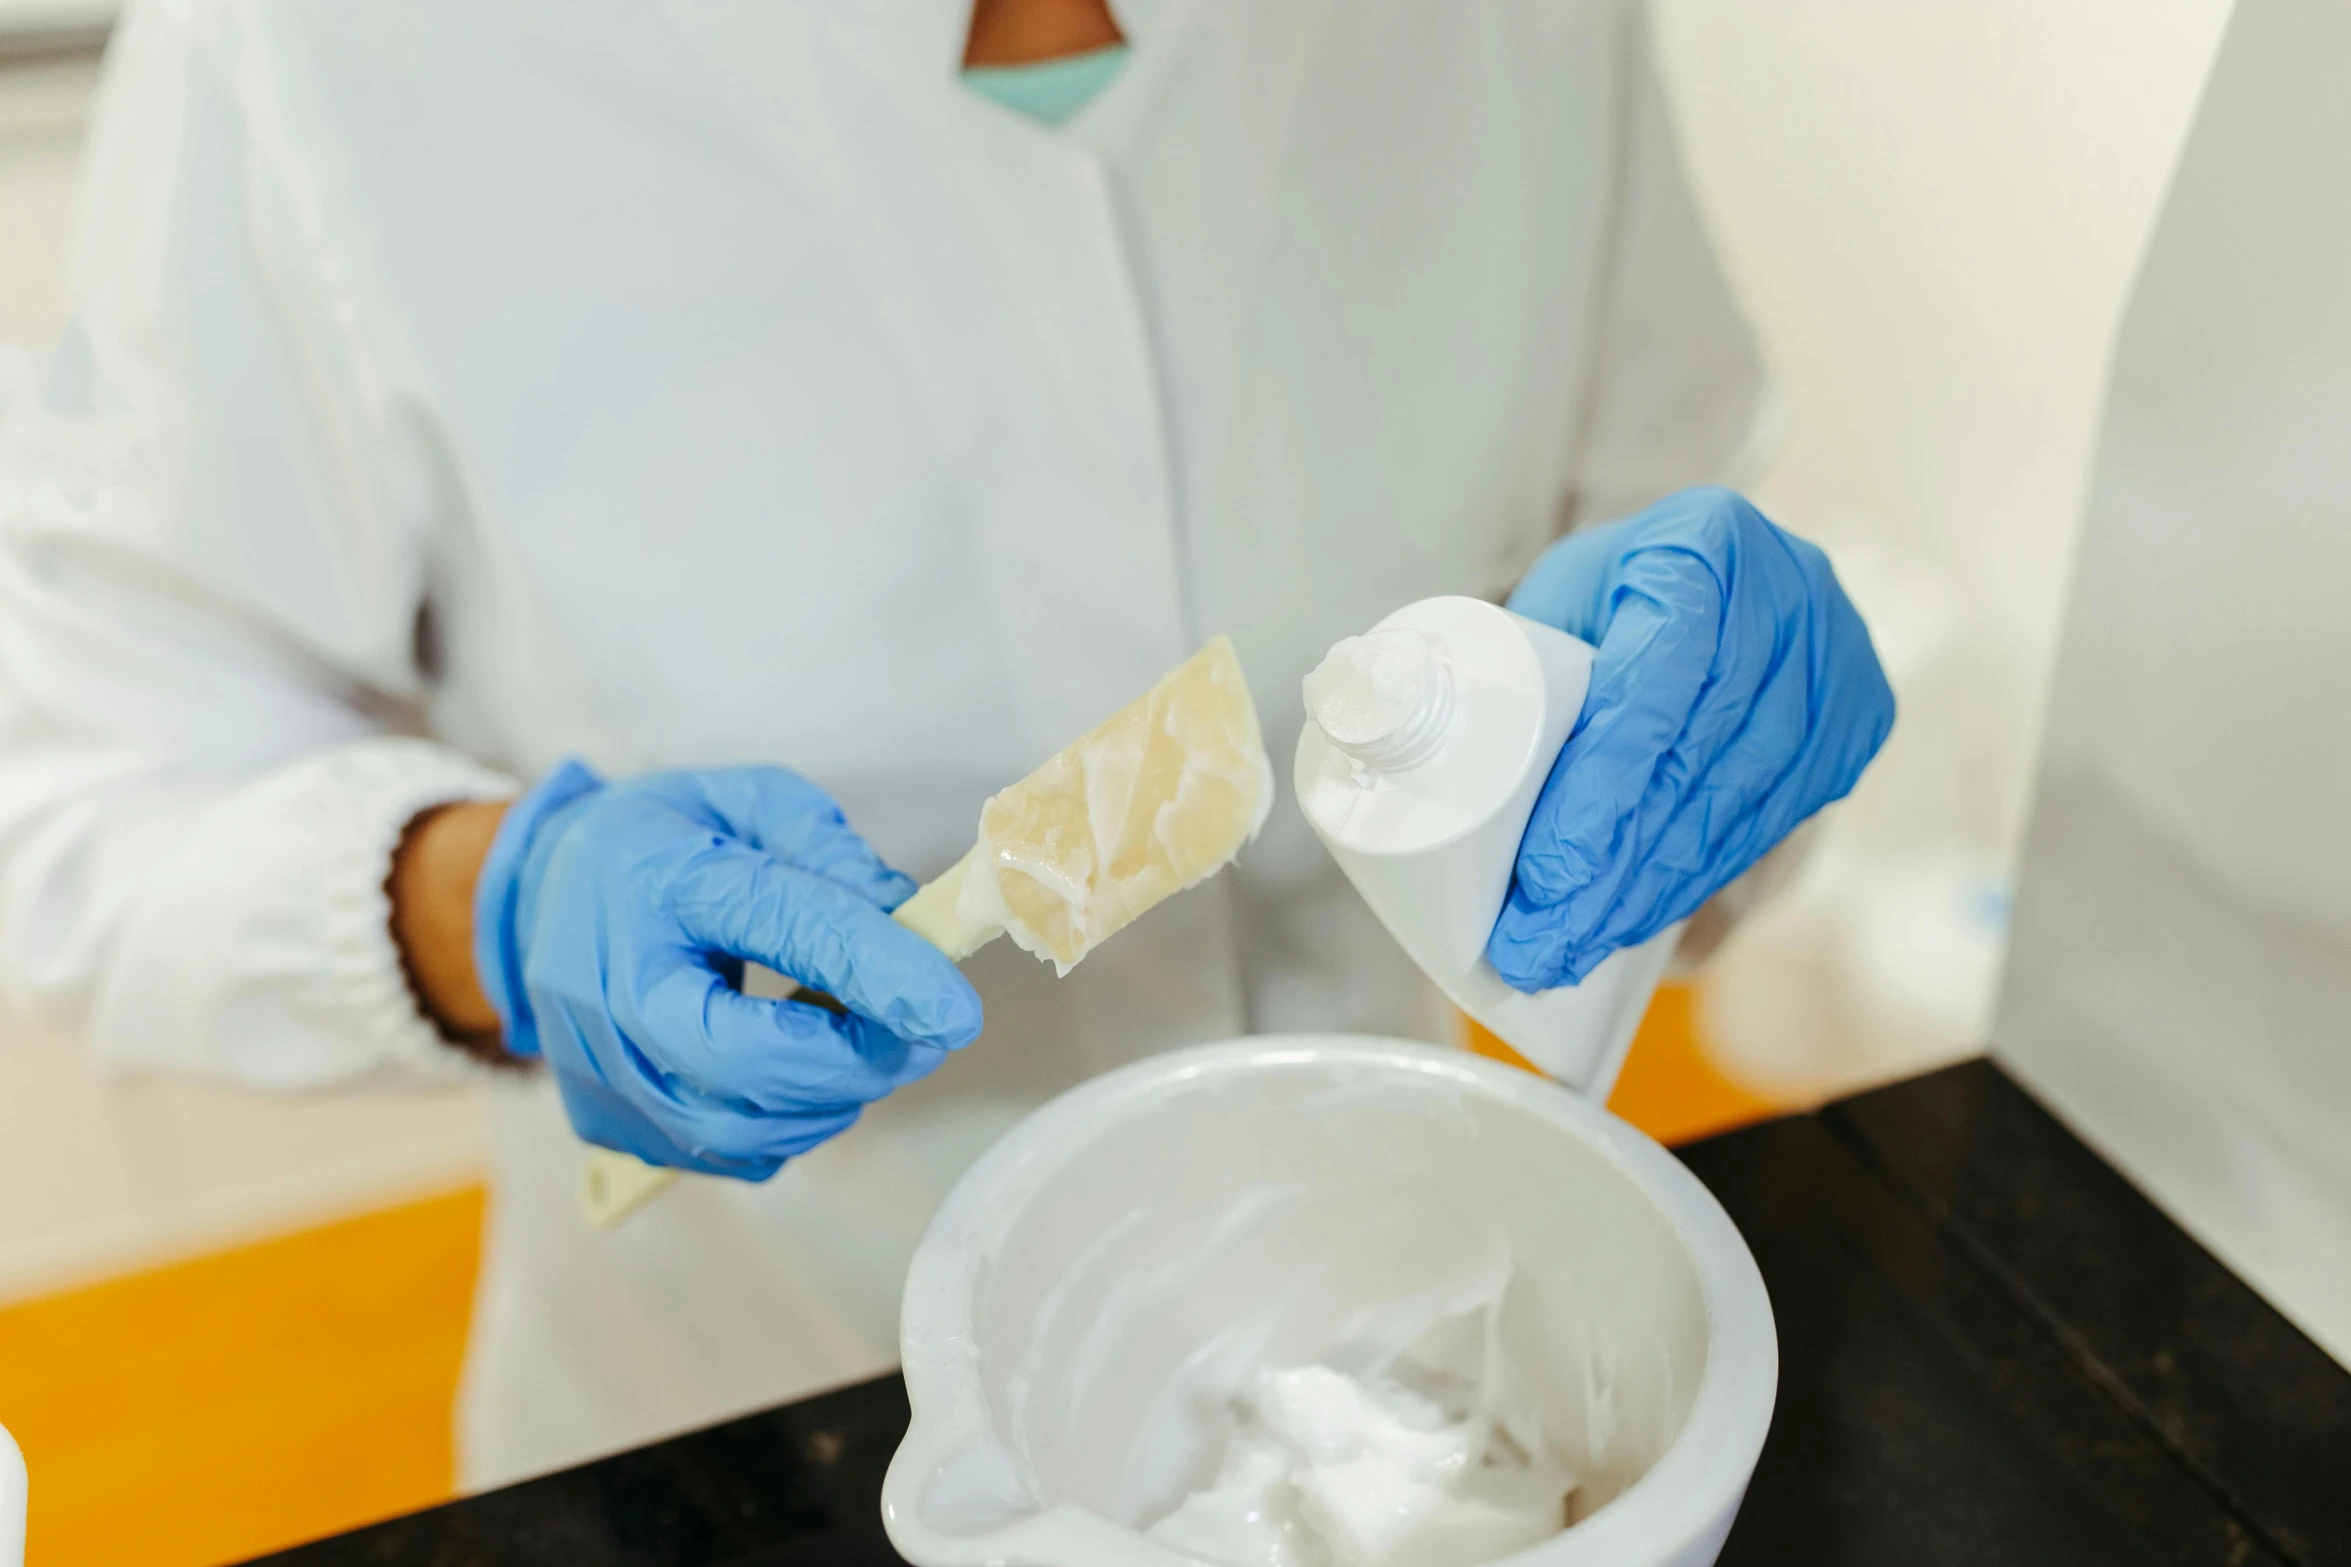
[1684,1499]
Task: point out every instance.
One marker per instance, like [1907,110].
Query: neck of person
[1025,32]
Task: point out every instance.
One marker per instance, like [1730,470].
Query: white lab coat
[2179,984]
[718,381]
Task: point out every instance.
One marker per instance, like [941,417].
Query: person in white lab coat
[458,386]
[2179,978]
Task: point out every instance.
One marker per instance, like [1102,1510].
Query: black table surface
[1993,1350]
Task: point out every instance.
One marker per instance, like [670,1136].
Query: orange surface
[1669,1087]
[230,1405]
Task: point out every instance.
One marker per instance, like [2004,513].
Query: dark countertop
[1993,1350]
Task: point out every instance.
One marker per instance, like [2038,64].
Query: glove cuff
[498,900]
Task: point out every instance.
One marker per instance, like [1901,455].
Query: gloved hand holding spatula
[612,920]
[608,919]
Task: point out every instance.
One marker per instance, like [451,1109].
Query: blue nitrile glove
[609,920]
[1735,693]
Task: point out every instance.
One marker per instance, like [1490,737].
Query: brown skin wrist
[431,885]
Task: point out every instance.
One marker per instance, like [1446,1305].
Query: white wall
[35,20]
[1933,212]
[41,110]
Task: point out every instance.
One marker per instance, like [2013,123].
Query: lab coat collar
[920,39]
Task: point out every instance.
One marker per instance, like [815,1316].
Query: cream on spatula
[1159,798]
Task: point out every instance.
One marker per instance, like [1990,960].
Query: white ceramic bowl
[1133,1248]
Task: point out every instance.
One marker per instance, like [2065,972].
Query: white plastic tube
[1428,740]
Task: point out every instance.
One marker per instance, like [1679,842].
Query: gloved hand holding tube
[610,920]
[1735,692]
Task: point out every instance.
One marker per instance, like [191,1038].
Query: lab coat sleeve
[212,556]
[1676,393]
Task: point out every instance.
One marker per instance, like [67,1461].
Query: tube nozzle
[1386,699]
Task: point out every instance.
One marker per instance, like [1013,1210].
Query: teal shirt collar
[1049,91]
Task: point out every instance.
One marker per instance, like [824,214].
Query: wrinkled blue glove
[1735,693]
[610,920]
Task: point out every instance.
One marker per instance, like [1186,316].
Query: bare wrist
[431,884]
